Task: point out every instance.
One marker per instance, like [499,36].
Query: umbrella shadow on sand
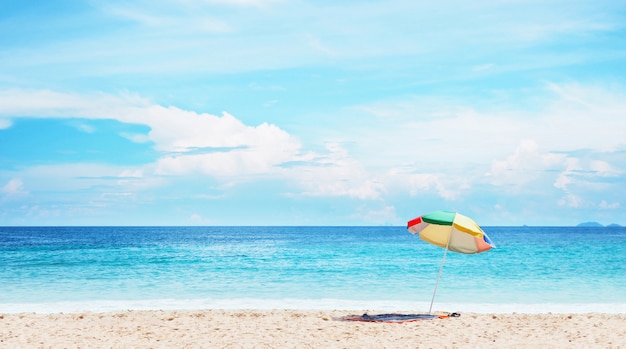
[396,318]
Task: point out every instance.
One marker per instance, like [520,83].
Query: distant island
[596,224]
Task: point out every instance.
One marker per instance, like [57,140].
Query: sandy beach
[306,329]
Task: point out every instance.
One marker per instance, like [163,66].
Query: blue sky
[270,112]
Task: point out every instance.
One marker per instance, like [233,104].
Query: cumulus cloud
[430,145]
[333,174]
[603,169]
[206,144]
[526,164]
[585,173]
[571,139]
[240,149]
[14,188]
[571,200]
[562,118]
[446,187]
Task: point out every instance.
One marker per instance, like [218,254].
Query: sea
[383,268]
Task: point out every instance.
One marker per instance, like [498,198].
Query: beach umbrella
[452,231]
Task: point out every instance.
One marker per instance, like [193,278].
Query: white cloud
[429,182]
[241,149]
[585,117]
[177,130]
[564,178]
[603,169]
[47,104]
[609,206]
[197,219]
[90,178]
[429,145]
[85,128]
[570,117]
[571,200]
[190,36]
[449,146]
[37,211]
[5,123]
[526,164]
[253,150]
[136,137]
[200,143]
[132,173]
[14,188]
[334,174]
[581,172]
[581,182]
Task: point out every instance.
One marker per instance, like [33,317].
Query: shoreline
[102,306]
[215,328]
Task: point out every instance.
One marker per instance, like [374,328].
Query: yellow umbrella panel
[452,231]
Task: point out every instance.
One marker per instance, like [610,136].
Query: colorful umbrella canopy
[451,230]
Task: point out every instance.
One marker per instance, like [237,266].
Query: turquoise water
[561,269]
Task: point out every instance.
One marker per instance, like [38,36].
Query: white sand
[306,329]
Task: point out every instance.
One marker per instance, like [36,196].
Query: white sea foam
[306,304]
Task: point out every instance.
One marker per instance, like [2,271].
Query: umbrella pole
[430,310]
